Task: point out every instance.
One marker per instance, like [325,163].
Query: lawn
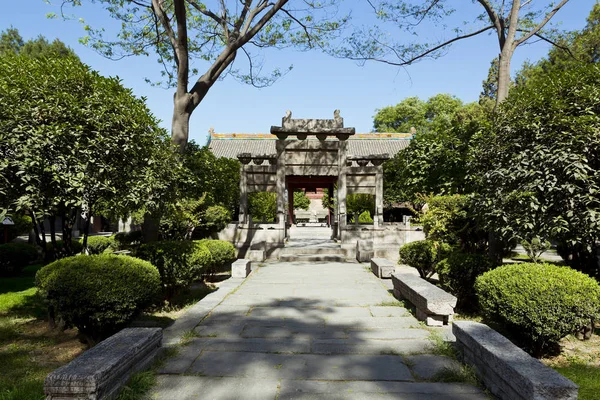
[30,350]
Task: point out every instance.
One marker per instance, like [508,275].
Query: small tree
[544,155]
[67,135]
[301,200]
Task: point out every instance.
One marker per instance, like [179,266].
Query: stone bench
[382,267]
[100,372]
[506,370]
[434,306]
[241,268]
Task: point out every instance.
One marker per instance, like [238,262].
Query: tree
[12,42]
[433,114]
[301,200]
[435,161]
[181,31]
[73,141]
[514,25]
[576,48]
[536,169]
[262,206]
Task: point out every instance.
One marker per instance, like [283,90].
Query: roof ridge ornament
[321,128]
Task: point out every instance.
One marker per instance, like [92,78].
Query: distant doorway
[318,219]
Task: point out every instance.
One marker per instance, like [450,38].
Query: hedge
[15,256]
[423,255]
[98,244]
[542,303]
[98,294]
[223,254]
[457,275]
[179,262]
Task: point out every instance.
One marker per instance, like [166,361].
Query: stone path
[309,331]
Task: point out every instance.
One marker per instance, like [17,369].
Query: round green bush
[97,244]
[179,262]
[223,254]
[457,275]
[127,240]
[423,255]
[542,303]
[59,251]
[15,256]
[98,294]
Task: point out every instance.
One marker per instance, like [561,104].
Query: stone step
[314,250]
[312,257]
[187,387]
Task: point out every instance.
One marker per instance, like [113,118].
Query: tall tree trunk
[150,227]
[504,73]
[180,125]
[68,219]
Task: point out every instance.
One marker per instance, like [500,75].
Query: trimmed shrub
[542,303]
[127,240]
[98,294]
[424,255]
[223,254]
[458,273]
[15,256]
[97,244]
[179,262]
[214,219]
[365,218]
[60,252]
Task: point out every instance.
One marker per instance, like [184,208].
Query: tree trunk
[504,73]
[180,125]
[150,227]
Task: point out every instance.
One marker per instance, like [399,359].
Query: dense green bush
[450,220]
[97,244]
[365,218]
[15,256]
[179,262]
[457,275]
[98,294]
[212,220]
[59,251]
[424,255]
[127,240]
[542,303]
[222,254]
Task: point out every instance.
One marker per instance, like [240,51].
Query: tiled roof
[231,144]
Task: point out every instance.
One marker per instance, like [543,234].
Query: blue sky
[316,86]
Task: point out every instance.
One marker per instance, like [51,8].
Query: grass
[392,303]
[139,384]
[29,350]
[587,377]
[464,374]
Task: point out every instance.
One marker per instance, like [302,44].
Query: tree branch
[257,10]
[541,24]
[494,19]
[164,21]
[310,44]
[262,22]
[424,54]
[513,24]
[212,15]
[182,48]
[553,43]
[238,24]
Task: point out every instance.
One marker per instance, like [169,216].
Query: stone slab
[427,366]
[170,387]
[402,333]
[378,311]
[101,371]
[241,268]
[357,346]
[506,370]
[295,389]
[382,268]
[423,294]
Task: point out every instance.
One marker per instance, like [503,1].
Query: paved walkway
[309,331]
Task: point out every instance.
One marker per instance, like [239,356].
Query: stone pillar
[280,146]
[243,218]
[378,220]
[341,189]
[291,204]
